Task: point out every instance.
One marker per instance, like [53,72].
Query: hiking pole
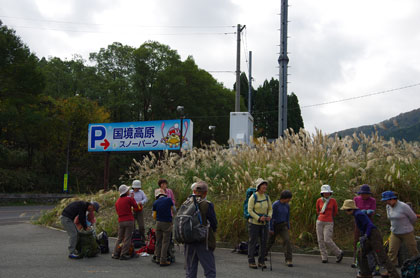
[271,265]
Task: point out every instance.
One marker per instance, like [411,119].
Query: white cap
[123,189]
[192,186]
[326,189]
[136,184]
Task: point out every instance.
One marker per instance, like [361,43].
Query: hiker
[402,219]
[163,185]
[280,225]
[367,204]
[202,251]
[78,208]
[371,241]
[123,207]
[163,209]
[327,209]
[260,211]
[141,200]
[90,221]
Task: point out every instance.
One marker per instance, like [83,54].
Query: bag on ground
[103,242]
[87,245]
[137,239]
[150,243]
[188,224]
[411,268]
[242,248]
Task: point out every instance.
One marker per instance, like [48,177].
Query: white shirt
[139,196]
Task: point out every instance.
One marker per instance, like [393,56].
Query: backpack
[87,245]
[411,268]
[188,224]
[249,192]
[137,239]
[242,248]
[103,242]
[151,241]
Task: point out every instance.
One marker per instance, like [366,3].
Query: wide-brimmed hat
[349,204]
[136,184]
[326,189]
[159,192]
[388,195]
[260,181]
[364,189]
[123,189]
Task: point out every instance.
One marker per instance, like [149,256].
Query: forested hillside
[404,126]
[46,105]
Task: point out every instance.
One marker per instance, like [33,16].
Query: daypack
[249,192]
[411,268]
[137,239]
[87,245]
[242,248]
[188,224]
[150,244]
[103,242]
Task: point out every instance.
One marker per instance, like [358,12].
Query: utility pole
[250,82]
[283,61]
[238,67]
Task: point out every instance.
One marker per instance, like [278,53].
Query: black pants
[375,243]
[257,232]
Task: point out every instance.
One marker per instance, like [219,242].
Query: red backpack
[150,243]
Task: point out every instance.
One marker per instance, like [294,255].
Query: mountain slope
[404,126]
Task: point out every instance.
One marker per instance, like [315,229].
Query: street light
[180,110]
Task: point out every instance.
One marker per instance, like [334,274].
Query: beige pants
[324,233]
[395,242]
[163,238]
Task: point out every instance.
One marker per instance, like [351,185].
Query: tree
[21,82]
[265,110]
[115,68]
[152,60]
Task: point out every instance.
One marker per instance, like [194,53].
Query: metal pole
[238,68]
[250,82]
[106,171]
[180,144]
[283,61]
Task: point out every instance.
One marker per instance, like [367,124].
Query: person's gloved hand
[370,211]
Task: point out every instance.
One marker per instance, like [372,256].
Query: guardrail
[7,198]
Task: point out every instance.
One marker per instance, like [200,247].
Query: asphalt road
[34,251]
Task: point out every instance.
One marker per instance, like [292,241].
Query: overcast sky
[338,49]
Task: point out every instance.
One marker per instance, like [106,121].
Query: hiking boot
[74,255]
[253,266]
[353,265]
[289,263]
[135,255]
[385,274]
[155,260]
[324,261]
[165,263]
[124,257]
[340,257]
[262,265]
[363,276]
[117,257]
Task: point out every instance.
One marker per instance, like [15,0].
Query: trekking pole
[271,265]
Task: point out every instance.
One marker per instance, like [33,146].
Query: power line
[119,32]
[363,96]
[140,26]
[318,104]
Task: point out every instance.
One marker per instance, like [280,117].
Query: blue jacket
[363,222]
[281,213]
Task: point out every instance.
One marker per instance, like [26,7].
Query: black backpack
[188,224]
[242,248]
[411,268]
[103,242]
[137,239]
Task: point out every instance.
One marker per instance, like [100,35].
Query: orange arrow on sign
[105,144]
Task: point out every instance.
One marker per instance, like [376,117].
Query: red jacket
[330,211]
[123,207]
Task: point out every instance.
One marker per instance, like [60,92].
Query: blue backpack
[249,192]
